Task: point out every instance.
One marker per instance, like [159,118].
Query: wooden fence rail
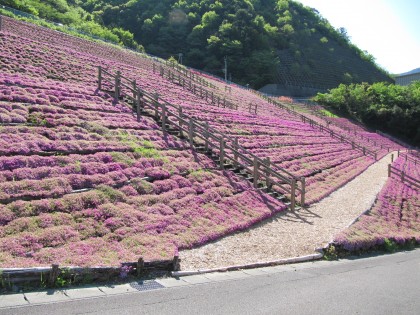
[403,176]
[331,132]
[228,150]
[191,75]
[196,89]
[412,159]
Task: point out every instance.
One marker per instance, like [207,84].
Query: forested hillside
[388,107]
[265,41]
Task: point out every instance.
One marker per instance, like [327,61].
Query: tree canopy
[250,33]
[387,107]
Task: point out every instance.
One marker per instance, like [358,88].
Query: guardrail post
[389,170]
[222,153]
[99,70]
[117,86]
[303,190]
[181,133]
[191,131]
[255,173]
[54,272]
[293,194]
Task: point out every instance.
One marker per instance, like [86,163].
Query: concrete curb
[249,266]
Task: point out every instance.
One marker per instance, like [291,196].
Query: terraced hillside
[86,182]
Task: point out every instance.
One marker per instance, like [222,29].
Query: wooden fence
[204,93]
[322,128]
[403,176]
[407,157]
[190,75]
[196,89]
[202,137]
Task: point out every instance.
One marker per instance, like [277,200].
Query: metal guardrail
[229,151]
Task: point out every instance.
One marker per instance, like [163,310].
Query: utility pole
[225,69]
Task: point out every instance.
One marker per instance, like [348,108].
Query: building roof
[409,72]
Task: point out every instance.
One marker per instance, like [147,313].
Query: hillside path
[292,234]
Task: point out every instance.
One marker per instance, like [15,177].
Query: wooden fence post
[222,153]
[267,173]
[303,190]
[1,22]
[134,84]
[161,71]
[292,194]
[255,172]
[402,176]
[117,86]
[181,133]
[156,104]
[154,68]
[163,117]
[191,132]
[389,170]
[392,157]
[235,154]
[140,266]
[206,136]
[138,102]
[99,72]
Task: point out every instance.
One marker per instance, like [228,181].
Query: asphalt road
[388,284]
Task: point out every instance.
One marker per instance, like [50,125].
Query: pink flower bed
[150,193]
[394,216]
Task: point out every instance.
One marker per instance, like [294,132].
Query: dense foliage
[387,107]
[256,36]
[71,14]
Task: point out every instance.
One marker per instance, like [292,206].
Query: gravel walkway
[291,234]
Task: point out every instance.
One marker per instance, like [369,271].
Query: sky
[387,29]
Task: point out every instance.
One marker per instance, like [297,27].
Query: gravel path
[291,234]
